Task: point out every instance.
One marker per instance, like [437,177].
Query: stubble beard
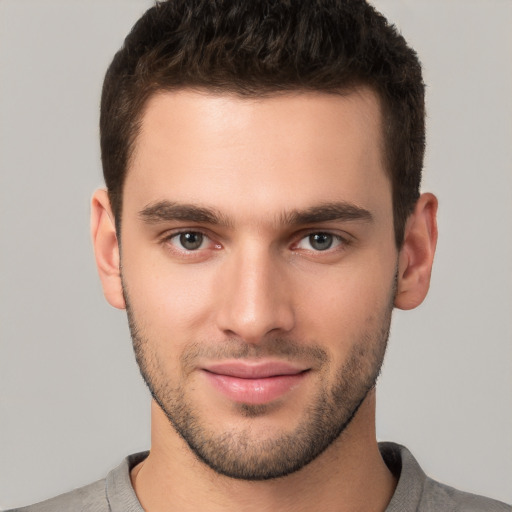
[237,453]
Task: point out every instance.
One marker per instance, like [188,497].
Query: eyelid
[344,240]
[171,233]
[166,238]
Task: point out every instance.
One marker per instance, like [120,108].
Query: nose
[256,299]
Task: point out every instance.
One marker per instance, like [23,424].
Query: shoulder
[111,494]
[91,498]
[437,496]
[416,491]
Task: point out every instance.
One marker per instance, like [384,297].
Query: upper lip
[254,370]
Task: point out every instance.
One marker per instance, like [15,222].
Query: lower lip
[255,391]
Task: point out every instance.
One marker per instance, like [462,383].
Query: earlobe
[417,254]
[106,248]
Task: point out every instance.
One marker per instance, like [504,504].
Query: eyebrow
[325,212]
[165,211]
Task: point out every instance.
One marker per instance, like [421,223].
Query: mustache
[234,348]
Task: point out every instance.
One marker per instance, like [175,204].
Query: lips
[254,383]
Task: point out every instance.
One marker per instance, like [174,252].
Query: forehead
[284,150]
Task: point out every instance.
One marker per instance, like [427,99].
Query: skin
[257,279]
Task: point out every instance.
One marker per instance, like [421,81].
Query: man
[262,220]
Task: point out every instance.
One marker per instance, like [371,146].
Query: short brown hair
[260,47]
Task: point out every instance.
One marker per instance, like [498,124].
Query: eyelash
[167,240]
[342,242]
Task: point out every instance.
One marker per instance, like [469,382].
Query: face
[258,265]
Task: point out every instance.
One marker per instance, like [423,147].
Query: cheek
[345,305]
[170,302]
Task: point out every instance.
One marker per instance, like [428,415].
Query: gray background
[72,404]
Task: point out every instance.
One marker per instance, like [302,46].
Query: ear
[417,254]
[106,248]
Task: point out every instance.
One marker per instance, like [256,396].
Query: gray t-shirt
[414,492]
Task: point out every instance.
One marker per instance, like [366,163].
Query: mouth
[254,383]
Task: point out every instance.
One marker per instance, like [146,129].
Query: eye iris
[320,241]
[191,241]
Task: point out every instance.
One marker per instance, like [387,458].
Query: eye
[319,242]
[189,240]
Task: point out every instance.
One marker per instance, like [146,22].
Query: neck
[349,476]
